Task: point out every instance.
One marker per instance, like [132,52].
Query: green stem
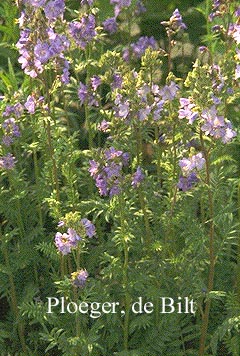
[158,154]
[86,107]
[140,191]
[49,140]
[77,320]
[125,275]
[238,256]
[62,267]
[145,216]
[36,171]
[14,304]
[18,207]
[212,259]
[169,52]
[174,150]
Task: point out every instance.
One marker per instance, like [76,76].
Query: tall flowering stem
[238,258]
[50,144]
[13,294]
[125,273]
[140,191]
[212,259]
[18,205]
[36,172]
[159,153]
[86,106]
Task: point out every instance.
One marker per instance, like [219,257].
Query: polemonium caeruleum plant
[119,181]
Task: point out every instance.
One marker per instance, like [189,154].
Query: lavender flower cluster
[69,240]
[11,131]
[37,51]
[79,278]
[110,25]
[175,23]
[52,8]
[213,124]
[84,31]
[138,48]
[151,101]
[189,167]
[107,173]
[87,92]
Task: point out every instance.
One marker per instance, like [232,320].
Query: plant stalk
[206,312]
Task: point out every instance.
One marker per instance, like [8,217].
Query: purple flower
[30,104]
[11,128]
[144,113]
[110,25]
[7,162]
[203,49]
[63,243]
[228,133]
[158,108]
[86,96]
[137,178]
[7,140]
[125,158]
[198,161]
[115,189]
[103,126]
[176,21]
[79,278]
[212,121]
[95,82]
[54,9]
[122,108]
[112,153]
[117,81]
[8,110]
[140,8]
[186,183]
[168,92]
[216,28]
[108,173]
[21,19]
[89,227]
[42,51]
[237,12]
[120,4]
[94,166]
[82,93]
[65,77]
[142,44]
[112,169]
[83,31]
[35,3]
[237,72]
[234,32]
[61,223]
[185,111]
[194,162]
[18,110]
[186,165]
[87,2]
[73,236]
[102,184]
